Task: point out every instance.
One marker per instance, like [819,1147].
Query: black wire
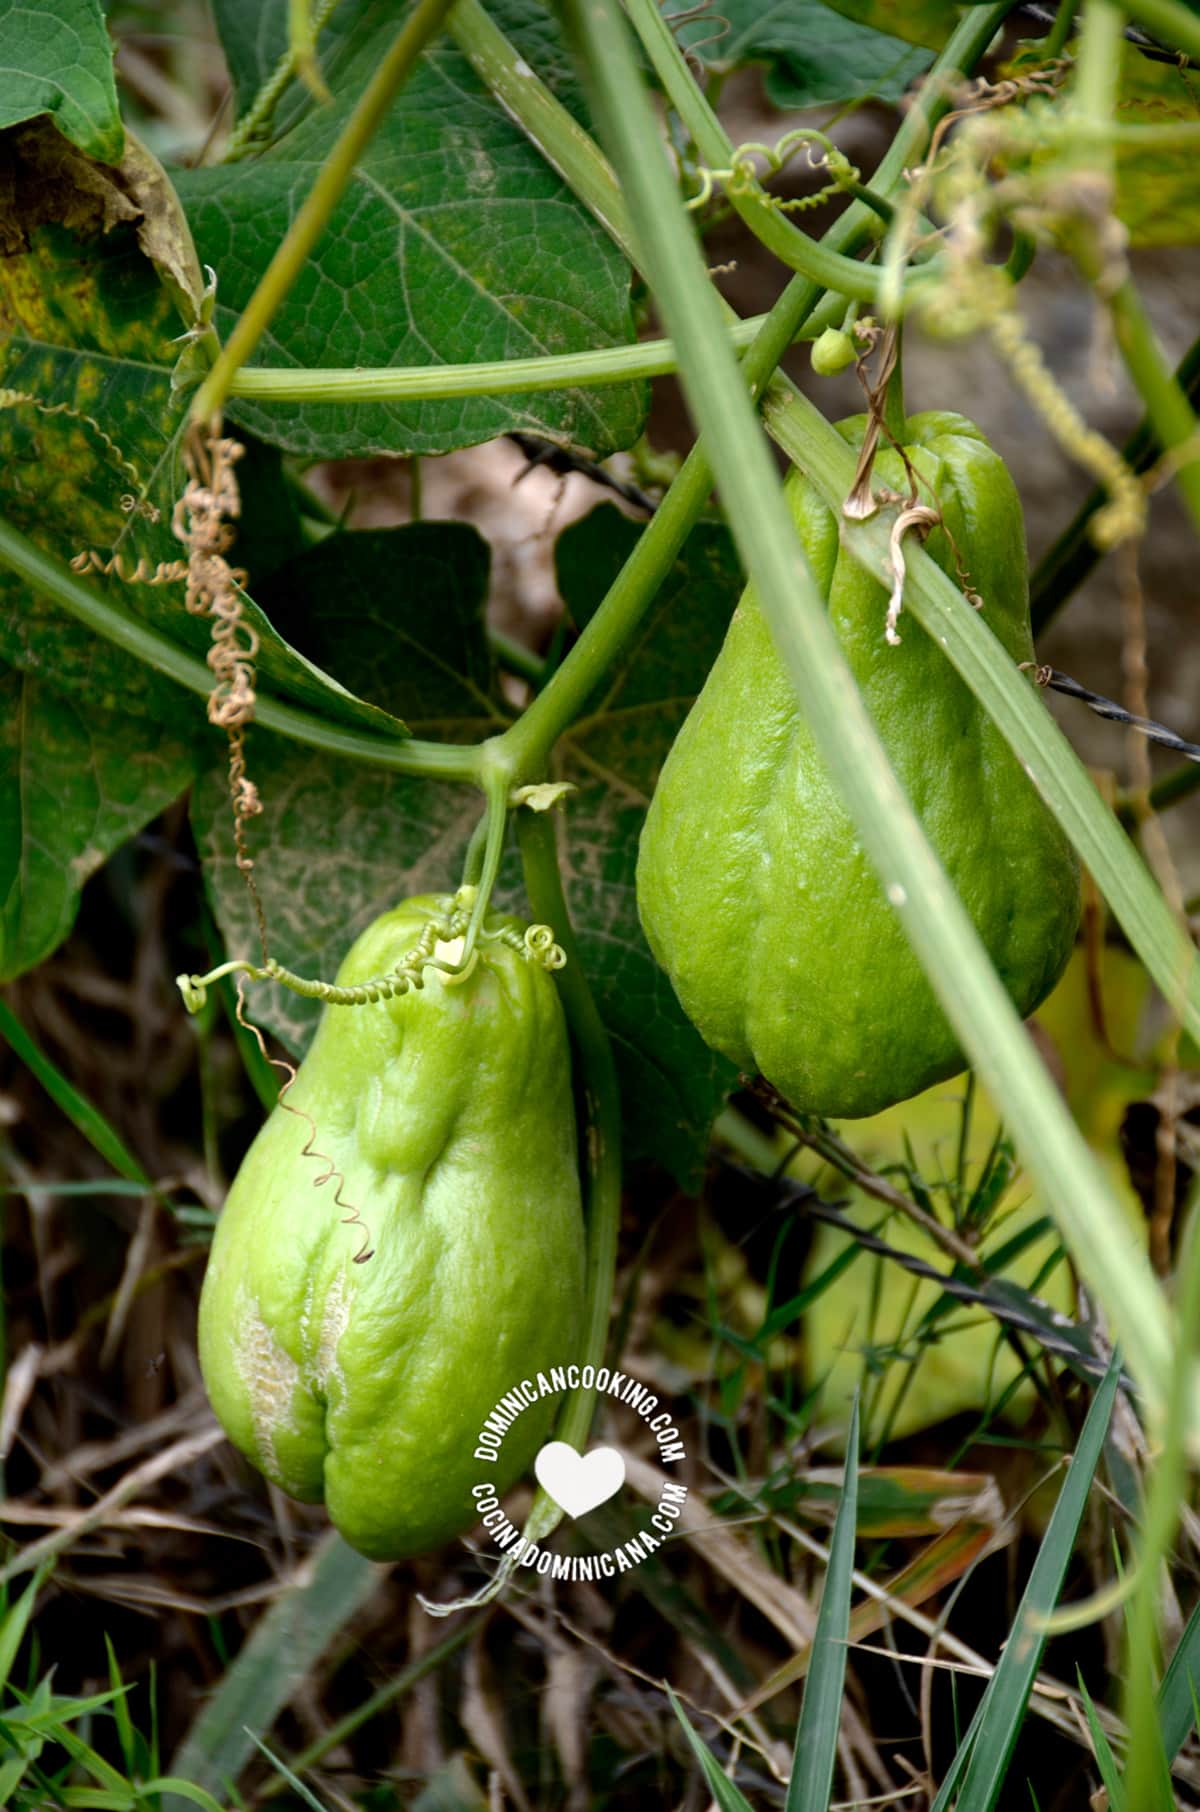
[548,453]
[1105,707]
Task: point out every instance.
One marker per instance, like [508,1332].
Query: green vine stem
[502,377]
[1064,567]
[496,788]
[421,25]
[407,755]
[1075,1187]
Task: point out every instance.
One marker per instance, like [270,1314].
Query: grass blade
[985,1750]
[728,1797]
[1179,1688]
[820,1714]
[94,1127]
[1106,1761]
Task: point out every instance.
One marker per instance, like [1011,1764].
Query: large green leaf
[812,53]
[455,242]
[339,842]
[56,59]
[99,278]
[76,779]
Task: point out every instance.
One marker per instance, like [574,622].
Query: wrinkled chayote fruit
[754,889]
[448,1111]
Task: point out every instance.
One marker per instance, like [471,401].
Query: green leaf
[339,842]
[454,242]
[812,53]
[76,780]
[56,59]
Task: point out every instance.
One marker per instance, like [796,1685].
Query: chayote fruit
[754,889]
[448,1112]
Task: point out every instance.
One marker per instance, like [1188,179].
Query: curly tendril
[743,178]
[13,399]
[118,566]
[353,1216]
[535,943]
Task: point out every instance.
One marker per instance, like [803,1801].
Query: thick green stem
[444,761]
[496,789]
[502,377]
[932,915]
[596,1079]
[319,204]
[1098,79]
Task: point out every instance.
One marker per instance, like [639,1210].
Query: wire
[1105,707]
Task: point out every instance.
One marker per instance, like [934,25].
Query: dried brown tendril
[203,520]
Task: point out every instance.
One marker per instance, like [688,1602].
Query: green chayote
[754,889]
[447,1111]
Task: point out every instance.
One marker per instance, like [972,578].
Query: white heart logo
[579,1482]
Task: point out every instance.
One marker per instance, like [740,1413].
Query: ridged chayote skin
[449,1111]
[754,890]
